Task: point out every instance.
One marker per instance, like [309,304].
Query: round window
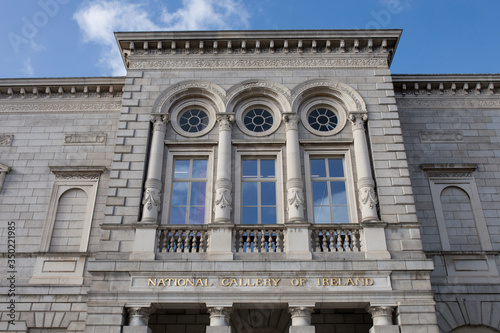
[322,119]
[258,120]
[193,120]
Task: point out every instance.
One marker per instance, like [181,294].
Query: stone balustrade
[335,238]
[259,238]
[182,239]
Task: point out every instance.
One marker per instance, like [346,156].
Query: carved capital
[151,199]
[291,121]
[301,316]
[159,121]
[358,120]
[139,316]
[225,121]
[219,316]
[381,315]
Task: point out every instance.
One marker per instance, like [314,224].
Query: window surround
[344,154]
[251,104]
[323,102]
[253,152]
[187,153]
[186,105]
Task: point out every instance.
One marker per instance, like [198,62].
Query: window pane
[250,215]
[318,168]
[268,193]
[249,193]
[199,169]
[338,193]
[268,215]
[249,168]
[198,194]
[178,215]
[196,215]
[340,214]
[322,214]
[180,194]
[267,169]
[181,169]
[320,193]
[336,167]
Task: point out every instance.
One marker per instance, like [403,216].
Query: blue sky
[70,38]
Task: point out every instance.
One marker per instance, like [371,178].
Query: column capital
[139,316]
[159,121]
[358,120]
[301,315]
[381,315]
[291,121]
[225,121]
[219,315]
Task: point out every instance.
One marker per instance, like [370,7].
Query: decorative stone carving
[295,198]
[381,315]
[368,197]
[6,139]
[59,107]
[160,122]
[85,138]
[223,199]
[291,121]
[272,87]
[219,316]
[259,63]
[225,121]
[139,316]
[441,136]
[301,316]
[152,199]
[461,103]
[358,121]
[460,170]
[4,170]
[77,176]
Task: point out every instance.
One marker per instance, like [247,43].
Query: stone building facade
[251,181]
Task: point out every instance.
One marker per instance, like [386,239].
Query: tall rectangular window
[258,191]
[329,190]
[189,190]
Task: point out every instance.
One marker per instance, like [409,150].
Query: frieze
[6,139]
[258,63]
[440,136]
[87,138]
[59,107]
[447,103]
[77,176]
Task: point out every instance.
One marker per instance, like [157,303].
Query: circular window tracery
[322,119]
[193,120]
[258,120]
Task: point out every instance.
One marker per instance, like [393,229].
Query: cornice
[258,49]
[61,88]
[448,102]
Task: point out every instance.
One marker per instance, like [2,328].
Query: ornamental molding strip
[272,63]
[77,172]
[449,170]
[39,106]
[85,138]
[447,103]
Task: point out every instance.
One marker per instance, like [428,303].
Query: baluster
[273,236]
[325,240]
[201,242]
[348,236]
[317,241]
[187,241]
[332,241]
[240,240]
[163,240]
[355,241]
[249,241]
[340,244]
[179,240]
[262,240]
[171,238]
[279,244]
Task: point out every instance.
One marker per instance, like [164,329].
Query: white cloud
[28,68]
[98,19]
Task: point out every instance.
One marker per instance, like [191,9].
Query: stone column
[382,319]
[138,318]
[301,320]
[298,239]
[221,228]
[145,233]
[219,320]
[374,241]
